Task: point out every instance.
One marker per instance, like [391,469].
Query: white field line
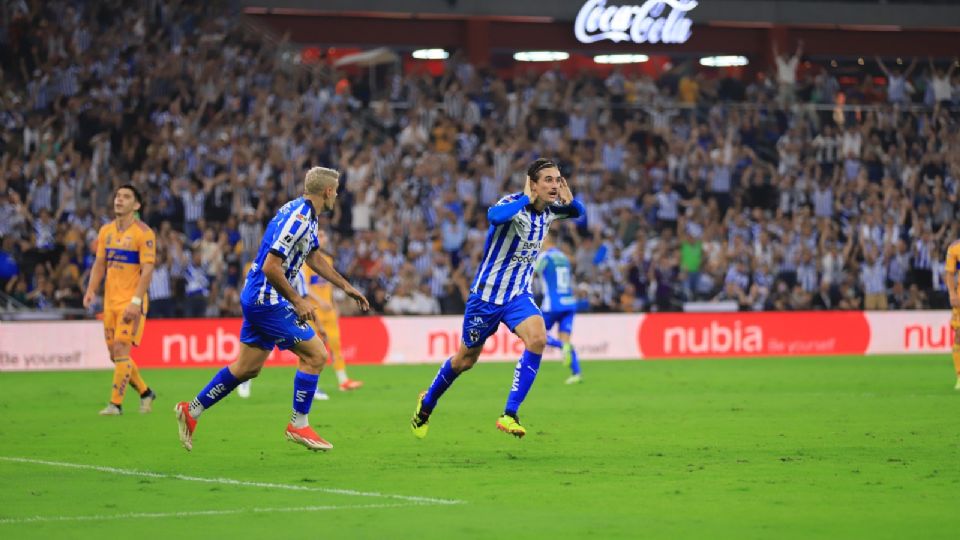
[230,481]
[196,513]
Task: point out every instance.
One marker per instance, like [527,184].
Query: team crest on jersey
[150,243]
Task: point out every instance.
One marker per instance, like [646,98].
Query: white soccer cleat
[243,389]
[320,395]
[574,379]
[111,410]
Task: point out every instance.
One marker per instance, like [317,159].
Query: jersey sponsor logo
[528,259]
[123,256]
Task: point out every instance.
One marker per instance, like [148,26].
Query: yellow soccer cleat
[418,424]
[511,425]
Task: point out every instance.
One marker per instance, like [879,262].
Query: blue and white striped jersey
[557,275]
[513,243]
[291,235]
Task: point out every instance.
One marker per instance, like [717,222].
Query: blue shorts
[482,319]
[267,326]
[564,318]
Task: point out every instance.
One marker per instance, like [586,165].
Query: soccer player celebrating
[953,255]
[126,252]
[559,304]
[501,290]
[319,292]
[275,315]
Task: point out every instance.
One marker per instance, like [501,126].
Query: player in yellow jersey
[953,255]
[327,324]
[126,252]
[320,294]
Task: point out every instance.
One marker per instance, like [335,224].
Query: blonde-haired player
[275,315]
[126,252]
[319,292]
[953,255]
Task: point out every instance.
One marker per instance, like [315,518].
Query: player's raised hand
[528,190]
[566,196]
[359,297]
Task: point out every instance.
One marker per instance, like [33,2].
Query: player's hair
[318,179]
[538,166]
[136,194]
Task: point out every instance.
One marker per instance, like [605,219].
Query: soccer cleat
[350,384]
[574,379]
[111,409]
[146,402]
[307,437]
[417,424]
[243,389]
[511,425]
[320,395]
[957,387]
[187,424]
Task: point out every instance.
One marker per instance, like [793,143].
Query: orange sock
[956,358]
[121,376]
[136,380]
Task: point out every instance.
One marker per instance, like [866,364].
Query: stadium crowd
[773,193]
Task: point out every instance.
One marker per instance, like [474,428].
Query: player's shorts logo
[474,335]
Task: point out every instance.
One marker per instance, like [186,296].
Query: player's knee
[118,350]
[536,342]
[315,358]
[463,362]
[249,373]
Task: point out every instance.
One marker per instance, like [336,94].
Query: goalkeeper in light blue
[559,303]
[501,290]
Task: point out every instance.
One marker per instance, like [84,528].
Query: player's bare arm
[135,308]
[273,271]
[319,265]
[96,278]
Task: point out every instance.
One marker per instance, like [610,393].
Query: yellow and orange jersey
[953,256]
[316,285]
[124,252]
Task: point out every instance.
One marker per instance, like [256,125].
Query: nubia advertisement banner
[200,343]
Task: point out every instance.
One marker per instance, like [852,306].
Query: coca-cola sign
[656,21]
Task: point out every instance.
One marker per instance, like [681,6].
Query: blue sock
[523,377]
[304,386]
[554,342]
[574,362]
[218,388]
[445,377]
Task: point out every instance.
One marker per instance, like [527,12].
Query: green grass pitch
[838,447]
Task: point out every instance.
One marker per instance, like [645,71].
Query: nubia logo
[927,337]
[218,346]
[713,338]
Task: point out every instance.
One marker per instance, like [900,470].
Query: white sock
[342,376]
[299,420]
[195,408]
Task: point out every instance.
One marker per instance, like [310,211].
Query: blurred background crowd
[786,191]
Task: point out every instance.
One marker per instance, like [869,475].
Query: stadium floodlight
[540,56]
[430,54]
[724,61]
[620,58]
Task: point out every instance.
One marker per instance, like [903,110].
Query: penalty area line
[229,481]
[197,513]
